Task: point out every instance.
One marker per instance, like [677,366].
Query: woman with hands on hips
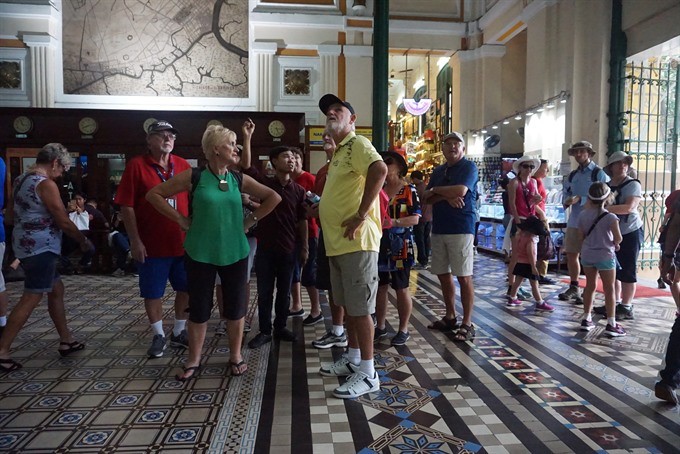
[216,242]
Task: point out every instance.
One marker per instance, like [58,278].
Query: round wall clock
[23,124]
[88,125]
[147,123]
[276,128]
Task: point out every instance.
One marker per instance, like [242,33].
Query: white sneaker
[118,273]
[340,368]
[357,385]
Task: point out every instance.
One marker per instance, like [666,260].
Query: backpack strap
[571,175]
[595,173]
[595,223]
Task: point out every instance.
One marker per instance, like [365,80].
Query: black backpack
[593,175]
[617,198]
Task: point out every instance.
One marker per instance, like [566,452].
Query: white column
[41,58]
[328,77]
[264,53]
[477,86]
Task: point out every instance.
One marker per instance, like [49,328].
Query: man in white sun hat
[574,195]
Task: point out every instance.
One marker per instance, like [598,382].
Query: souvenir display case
[491,232]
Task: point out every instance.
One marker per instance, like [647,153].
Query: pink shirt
[525,207]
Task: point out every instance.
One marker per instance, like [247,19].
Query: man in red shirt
[156,242]
[306,276]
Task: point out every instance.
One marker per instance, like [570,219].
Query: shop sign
[316,134]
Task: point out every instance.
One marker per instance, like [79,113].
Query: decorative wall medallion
[10,74]
[296,82]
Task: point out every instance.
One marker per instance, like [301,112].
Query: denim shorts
[609,264]
[40,271]
[155,272]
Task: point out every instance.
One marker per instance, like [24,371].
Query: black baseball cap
[160,125]
[329,99]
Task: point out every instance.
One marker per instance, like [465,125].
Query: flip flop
[194,371]
[74,346]
[9,365]
[236,368]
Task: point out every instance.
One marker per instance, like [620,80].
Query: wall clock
[88,125]
[147,123]
[23,124]
[276,128]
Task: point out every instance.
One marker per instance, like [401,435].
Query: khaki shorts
[452,254]
[573,241]
[354,280]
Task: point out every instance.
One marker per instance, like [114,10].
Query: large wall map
[192,48]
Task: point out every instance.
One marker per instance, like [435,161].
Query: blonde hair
[213,136]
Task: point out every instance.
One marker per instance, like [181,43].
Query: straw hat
[526,159]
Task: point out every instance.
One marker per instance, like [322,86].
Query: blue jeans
[274,269]
[670,375]
[421,234]
[121,246]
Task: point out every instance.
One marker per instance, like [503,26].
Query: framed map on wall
[172,48]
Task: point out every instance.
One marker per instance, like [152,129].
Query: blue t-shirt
[579,186]
[447,220]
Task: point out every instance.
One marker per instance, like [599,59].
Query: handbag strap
[595,223]
[524,193]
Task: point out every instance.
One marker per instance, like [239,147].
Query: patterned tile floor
[527,383]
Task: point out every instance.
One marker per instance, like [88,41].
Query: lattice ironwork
[650,124]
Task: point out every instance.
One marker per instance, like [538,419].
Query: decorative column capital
[38,39]
[264,47]
[330,50]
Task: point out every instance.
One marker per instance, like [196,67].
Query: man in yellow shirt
[349,211]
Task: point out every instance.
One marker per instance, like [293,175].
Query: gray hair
[213,136]
[53,151]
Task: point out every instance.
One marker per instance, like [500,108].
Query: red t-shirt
[670,200]
[320,180]
[308,181]
[542,192]
[161,236]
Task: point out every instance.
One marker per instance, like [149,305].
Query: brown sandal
[445,324]
[465,333]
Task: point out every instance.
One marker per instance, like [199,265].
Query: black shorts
[323,268]
[627,256]
[398,279]
[307,275]
[524,270]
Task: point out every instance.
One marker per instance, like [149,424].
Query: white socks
[612,321]
[354,356]
[157,328]
[367,367]
[179,327]
[338,330]
[3,320]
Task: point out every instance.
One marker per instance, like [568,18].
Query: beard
[338,127]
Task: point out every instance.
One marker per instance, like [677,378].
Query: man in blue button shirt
[575,194]
[452,192]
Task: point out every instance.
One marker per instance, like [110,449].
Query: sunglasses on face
[528,166]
